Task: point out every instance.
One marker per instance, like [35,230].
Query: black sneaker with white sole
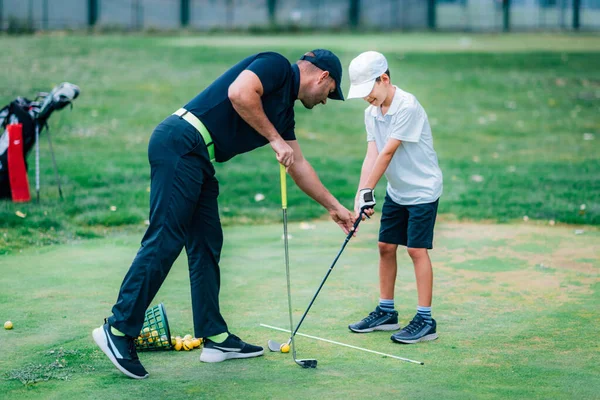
[232,347]
[377,320]
[120,350]
[417,331]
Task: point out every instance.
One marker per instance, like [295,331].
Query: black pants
[183,212]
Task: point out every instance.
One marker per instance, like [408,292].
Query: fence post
[185,13]
[30,15]
[92,12]
[272,10]
[431,15]
[576,12]
[506,14]
[354,13]
[45,15]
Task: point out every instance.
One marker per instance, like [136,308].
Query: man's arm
[307,180]
[245,95]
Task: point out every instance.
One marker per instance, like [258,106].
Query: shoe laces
[372,315]
[415,325]
[132,350]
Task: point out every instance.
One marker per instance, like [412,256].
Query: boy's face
[379,92]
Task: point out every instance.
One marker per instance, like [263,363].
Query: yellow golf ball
[8,325]
[285,348]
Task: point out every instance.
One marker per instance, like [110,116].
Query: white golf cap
[363,71]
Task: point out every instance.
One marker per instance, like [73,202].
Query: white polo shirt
[413,175]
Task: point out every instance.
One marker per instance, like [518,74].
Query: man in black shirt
[250,105]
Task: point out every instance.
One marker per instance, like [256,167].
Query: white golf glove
[366,199]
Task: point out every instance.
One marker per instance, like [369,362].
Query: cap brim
[361,90]
[337,94]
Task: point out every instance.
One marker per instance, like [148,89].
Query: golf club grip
[283,186]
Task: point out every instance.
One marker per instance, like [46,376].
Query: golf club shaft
[54,163]
[350,234]
[282,177]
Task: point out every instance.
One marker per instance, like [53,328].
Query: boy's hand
[365,213]
[366,199]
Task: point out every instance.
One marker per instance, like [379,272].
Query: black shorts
[410,226]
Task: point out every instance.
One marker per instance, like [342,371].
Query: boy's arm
[307,180]
[380,165]
[382,162]
[365,172]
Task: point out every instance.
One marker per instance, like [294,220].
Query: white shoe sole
[389,327]
[213,356]
[102,342]
[425,338]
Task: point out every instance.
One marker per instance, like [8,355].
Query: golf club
[282,175]
[275,346]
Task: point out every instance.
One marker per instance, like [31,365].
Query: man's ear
[324,75]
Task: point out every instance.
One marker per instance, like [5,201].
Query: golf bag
[33,116]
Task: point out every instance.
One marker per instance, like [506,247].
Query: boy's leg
[392,232]
[423,275]
[420,238]
[388,267]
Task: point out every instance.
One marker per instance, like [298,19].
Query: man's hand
[366,199]
[283,151]
[343,218]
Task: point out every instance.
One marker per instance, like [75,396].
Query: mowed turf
[514,119]
[516,306]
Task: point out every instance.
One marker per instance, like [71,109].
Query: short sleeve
[369,126]
[272,69]
[408,123]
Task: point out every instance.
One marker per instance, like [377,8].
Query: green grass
[519,332]
[512,109]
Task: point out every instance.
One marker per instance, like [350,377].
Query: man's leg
[176,181]
[203,246]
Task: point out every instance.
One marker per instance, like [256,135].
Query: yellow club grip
[283,187]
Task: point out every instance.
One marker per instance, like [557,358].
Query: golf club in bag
[276,346]
[33,116]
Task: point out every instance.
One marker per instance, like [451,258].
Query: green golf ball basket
[155,333]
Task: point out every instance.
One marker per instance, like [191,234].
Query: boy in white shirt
[400,145]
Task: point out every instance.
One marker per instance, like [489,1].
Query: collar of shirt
[296,83]
[394,107]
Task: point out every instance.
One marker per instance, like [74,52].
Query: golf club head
[274,346]
[307,363]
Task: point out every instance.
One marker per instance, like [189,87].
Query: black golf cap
[327,61]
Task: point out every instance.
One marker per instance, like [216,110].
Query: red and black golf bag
[32,116]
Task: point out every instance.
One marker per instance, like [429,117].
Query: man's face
[379,92]
[317,93]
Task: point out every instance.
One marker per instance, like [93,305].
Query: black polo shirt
[230,133]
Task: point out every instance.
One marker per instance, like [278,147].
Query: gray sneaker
[378,320]
[417,331]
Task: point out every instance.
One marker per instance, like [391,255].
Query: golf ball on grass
[285,348]
[8,325]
